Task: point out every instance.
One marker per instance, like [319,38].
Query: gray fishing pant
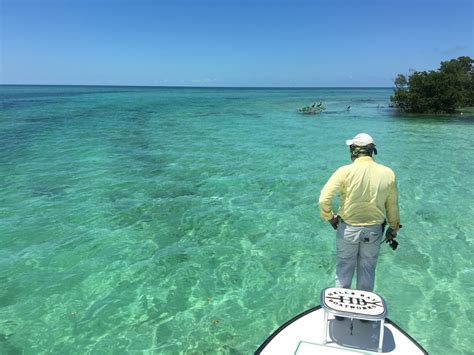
[357,246]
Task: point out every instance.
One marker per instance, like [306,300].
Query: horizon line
[207,87]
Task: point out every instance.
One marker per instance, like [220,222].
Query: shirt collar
[364,159]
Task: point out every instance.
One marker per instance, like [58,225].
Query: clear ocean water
[184,220]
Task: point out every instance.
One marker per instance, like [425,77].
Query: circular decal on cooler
[354,301]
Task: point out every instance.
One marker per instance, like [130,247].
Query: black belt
[384,224]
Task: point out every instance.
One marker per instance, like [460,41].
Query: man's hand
[390,234]
[334,221]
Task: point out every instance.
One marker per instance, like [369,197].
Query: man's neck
[362,158]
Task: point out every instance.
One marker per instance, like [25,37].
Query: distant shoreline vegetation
[445,90]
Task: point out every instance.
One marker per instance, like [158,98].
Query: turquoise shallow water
[179,220]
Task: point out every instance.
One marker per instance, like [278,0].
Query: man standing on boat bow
[368,197]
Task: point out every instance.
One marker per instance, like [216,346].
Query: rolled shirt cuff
[326,216]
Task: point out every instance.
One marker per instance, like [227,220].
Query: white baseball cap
[361,140]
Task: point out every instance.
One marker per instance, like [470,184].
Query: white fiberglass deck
[304,335]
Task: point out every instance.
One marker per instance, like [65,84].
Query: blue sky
[228,42]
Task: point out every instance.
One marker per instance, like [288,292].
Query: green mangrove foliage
[437,91]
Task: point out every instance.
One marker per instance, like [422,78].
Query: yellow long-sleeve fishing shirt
[368,194]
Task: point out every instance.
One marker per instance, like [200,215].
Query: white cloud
[203,81]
